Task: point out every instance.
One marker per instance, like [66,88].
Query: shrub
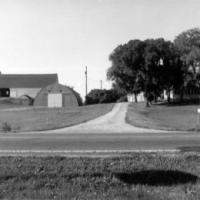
[6,127]
[101,96]
[122,99]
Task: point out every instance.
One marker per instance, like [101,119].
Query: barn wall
[69,100]
[17,92]
[41,100]
[68,97]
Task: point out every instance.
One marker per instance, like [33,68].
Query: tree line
[97,96]
[154,65]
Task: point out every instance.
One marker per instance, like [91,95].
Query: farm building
[141,97]
[56,95]
[18,85]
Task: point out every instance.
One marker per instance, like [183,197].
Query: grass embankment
[138,177]
[166,117]
[12,103]
[50,118]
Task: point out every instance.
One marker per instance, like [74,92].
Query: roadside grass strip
[79,153]
[138,176]
[39,119]
[164,117]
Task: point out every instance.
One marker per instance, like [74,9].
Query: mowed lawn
[173,117]
[33,119]
[131,177]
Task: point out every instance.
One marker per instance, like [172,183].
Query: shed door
[55,100]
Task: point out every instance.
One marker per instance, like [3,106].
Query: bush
[6,127]
[96,96]
[122,99]
[21,101]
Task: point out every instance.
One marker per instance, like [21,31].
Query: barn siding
[69,100]
[41,100]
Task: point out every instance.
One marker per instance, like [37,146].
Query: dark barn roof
[27,80]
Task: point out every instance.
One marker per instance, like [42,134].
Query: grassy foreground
[137,176]
[174,117]
[49,118]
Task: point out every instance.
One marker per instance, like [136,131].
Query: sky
[64,36]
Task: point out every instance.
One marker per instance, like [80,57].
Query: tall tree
[126,60]
[160,69]
[188,44]
[151,69]
[169,73]
[150,66]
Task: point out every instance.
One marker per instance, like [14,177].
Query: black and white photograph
[100,99]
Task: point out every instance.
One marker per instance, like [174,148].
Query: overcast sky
[63,36]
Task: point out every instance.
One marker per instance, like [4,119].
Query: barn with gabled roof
[17,85]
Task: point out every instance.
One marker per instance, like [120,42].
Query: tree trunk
[168,96]
[147,103]
[135,98]
[147,96]
[155,99]
[181,95]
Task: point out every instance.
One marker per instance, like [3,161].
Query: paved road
[99,142]
[107,133]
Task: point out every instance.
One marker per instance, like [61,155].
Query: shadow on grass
[190,149]
[178,103]
[156,177]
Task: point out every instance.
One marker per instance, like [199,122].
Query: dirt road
[112,122]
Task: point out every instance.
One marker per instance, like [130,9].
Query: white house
[140,97]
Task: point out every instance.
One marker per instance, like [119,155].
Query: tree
[188,44]
[168,73]
[96,96]
[151,66]
[151,69]
[126,60]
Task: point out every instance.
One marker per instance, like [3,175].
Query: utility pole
[101,84]
[86,84]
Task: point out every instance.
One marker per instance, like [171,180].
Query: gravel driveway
[112,122]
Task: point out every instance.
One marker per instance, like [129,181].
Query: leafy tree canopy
[188,44]
[147,66]
[154,65]
[126,60]
[96,96]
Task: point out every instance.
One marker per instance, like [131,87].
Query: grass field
[47,118]
[135,176]
[174,117]
[12,103]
